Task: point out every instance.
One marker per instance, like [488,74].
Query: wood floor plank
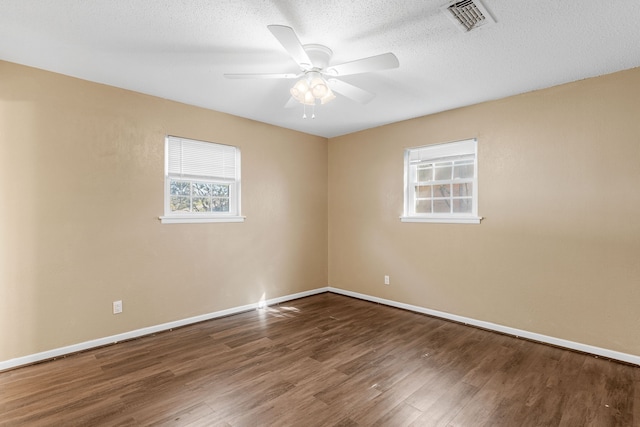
[392,402]
[479,409]
[450,403]
[324,360]
[402,414]
[585,402]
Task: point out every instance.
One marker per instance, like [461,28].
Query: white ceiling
[180,49]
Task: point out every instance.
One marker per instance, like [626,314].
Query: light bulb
[309,99]
[319,90]
[319,87]
[301,86]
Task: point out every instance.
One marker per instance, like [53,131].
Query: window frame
[232,180]
[463,150]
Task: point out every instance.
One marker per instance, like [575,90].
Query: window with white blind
[202,182]
[441,183]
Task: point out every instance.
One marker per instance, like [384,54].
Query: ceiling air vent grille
[469,14]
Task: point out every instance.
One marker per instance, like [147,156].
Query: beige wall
[558,252]
[81,185]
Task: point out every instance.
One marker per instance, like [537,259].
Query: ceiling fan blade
[289,40]
[263,76]
[384,61]
[350,91]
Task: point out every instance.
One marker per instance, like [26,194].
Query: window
[202,182]
[441,183]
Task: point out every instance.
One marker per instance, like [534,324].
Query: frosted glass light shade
[312,88]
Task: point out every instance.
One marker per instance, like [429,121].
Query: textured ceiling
[180,49]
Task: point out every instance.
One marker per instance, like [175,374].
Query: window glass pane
[462,205]
[423,191]
[423,206]
[443,190]
[220,190]
[179,203]
[463,190]
[220,205]
[179,188]
[201,189]
[441,206]
[463,169]
[443,171]
[201,204]
[425,173]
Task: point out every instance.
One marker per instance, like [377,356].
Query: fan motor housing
[319,55]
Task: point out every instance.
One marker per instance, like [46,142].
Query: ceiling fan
[317,80]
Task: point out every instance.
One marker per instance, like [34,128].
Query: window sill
[443,220]
[199,219]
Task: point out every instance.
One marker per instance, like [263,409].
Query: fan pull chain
[304,111]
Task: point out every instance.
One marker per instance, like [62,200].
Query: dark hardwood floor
[325,360]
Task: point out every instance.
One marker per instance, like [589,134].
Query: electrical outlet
[386,280]
[117,307]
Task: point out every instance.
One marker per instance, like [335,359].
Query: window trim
[203,217]
[435,152]
[176,219]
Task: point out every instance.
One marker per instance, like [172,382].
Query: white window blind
[191,159]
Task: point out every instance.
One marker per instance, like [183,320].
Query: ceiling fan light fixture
[329,96]
[300,88]
[309,99]
[314,60]
[312,88]
[319,91]
[319,88]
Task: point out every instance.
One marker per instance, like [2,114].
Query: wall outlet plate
[117,307]
[386,280]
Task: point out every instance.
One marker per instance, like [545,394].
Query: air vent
[468,14]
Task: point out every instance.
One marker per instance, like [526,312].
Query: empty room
[303,213]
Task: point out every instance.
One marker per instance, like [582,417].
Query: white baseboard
[63,351]
[597,351]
